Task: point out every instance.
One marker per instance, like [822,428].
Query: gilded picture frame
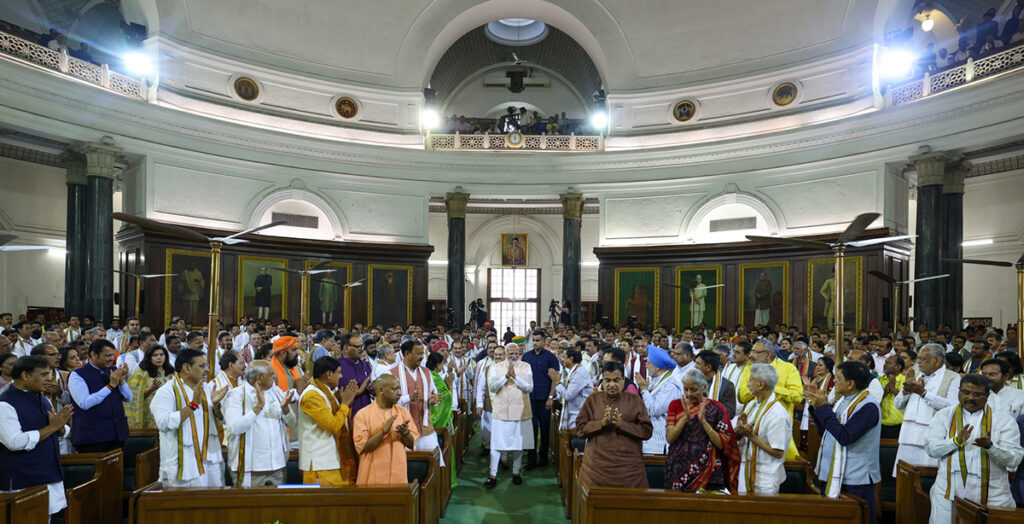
[777,278]
[637,292]
[687,277]
[515,249]
[249,268]
[192,268]
[384,302]
[819,272]
[313,309]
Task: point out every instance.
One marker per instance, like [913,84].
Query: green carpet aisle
[536,500]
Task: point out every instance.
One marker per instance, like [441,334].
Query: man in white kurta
[1002,397]
[763,430]
[256,416]
[184,411]
[921,397]
[573,388]
[483,395]
[510,383]
[418,393]
[972,434]
[658,392]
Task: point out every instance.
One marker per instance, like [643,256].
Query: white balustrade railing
[505,142]
[100,75]
[956,76]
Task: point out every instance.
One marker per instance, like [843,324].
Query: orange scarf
[282,378]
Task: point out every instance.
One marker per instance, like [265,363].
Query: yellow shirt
[789,390]
[891,416]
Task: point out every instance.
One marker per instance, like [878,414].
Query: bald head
[388,390]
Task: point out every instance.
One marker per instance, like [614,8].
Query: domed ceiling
[634,45]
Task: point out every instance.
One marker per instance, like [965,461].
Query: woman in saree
[153,371]
[822,380]
[441,413]
[703,455]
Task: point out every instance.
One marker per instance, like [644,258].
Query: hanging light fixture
[927,24]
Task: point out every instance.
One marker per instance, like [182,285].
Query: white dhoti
[913,455]
[428,443]
[485,428]
[762,317]
[511,435]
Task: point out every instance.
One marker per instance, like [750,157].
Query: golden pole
[1020,307]
[138,292]
[840,315]
[211,343]
[895,310]
[304,296]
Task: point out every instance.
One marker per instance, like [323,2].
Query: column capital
[74,163]
[953,179]
[572,205]
[100,157]
[455,204]
[931,166]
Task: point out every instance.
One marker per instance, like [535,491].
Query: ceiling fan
[846,239]
[1020,289]
[138,284]
[896,283]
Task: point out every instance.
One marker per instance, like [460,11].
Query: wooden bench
[141,459]
[970,512]
[444,437]
[93,484]
[28,506]
[598,505]
[886,494]
[391,504]
[422,467]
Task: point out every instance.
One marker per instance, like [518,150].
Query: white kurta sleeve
[165,415]
[938,444]
[901,400]
[524,381]
[235,420]
[779,430]
[1006,449]
[11,435]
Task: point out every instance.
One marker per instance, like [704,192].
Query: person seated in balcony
[1011,25]
[961,55]
[82,53]
[552,126]
[45,39]
[991,44]
[1018,36]
[57,43]
[926,62]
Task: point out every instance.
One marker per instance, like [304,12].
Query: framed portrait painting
[329,301]
[764,293]
[262,291]
[822,295]
[515,249]
[188,293]
[389,295]
[699,296]
[637,294]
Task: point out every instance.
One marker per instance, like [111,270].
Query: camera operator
[553,310]
[479,312]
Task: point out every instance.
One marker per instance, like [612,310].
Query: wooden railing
[947,79]
[99,75]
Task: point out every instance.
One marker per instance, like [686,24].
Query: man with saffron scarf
[975,445]
[326,456]
[615,426]
[184,410]
[848,456]
[763,429]
[702,452]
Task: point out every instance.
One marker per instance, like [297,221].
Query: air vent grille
[293,220]
[733,224]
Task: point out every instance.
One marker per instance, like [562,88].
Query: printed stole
[180,400]
[835,474]
[955,426]
[751,461]
[717,385]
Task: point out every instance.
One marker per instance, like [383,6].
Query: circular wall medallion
[346,107]
[514,139]
[247,89]
[684,111]
[784,94]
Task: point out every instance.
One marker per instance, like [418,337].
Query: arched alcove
[301,202]
[729,217]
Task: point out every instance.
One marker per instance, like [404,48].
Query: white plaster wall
[483,234]
[33,206]
[992,210]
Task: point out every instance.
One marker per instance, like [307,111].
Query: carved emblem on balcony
[346,108]
[784,94]
[247,89]
[684,111]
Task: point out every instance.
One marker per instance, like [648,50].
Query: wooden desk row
[913,504]
[28,506]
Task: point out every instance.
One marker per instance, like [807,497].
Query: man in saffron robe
[615,426]
[383,431]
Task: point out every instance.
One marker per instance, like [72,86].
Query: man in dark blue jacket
[98,391]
